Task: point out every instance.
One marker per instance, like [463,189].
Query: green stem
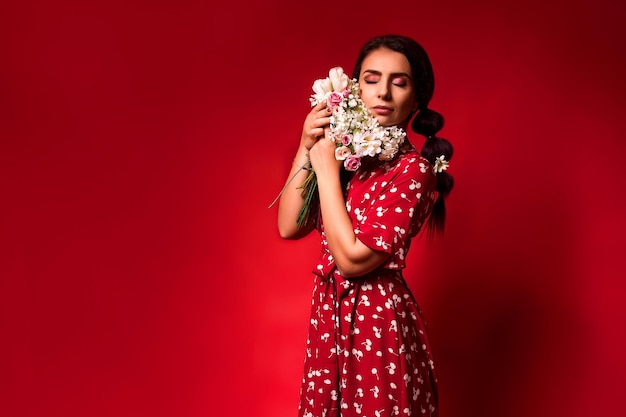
[309,188]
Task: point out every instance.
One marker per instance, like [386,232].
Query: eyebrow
[393,74]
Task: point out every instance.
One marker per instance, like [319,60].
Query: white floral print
[368,353]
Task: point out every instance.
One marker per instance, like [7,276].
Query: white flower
[367,144]
[321,88]
[387,154]
[338,79]
[440,164]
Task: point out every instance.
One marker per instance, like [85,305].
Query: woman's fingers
[320,121]
[316,132]
[317,120]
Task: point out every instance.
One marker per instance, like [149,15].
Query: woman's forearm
[291,200]
[351,256]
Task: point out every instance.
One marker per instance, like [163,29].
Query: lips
[382,110]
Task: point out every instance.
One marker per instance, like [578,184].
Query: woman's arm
[351,256]
[291,200]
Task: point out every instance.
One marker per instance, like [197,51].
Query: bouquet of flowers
[355,131]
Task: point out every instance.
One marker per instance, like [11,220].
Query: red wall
[141,143]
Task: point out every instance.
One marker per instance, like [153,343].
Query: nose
[383,91]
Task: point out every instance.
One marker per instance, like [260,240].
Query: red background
[142,142]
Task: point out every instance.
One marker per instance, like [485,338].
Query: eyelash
[403,84]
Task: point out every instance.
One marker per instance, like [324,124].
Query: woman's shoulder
[413,163]
[407,165]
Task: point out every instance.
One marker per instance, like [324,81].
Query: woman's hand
[322,156]
[352,257]
[313,129]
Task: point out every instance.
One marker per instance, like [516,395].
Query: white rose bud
[342,152]
[318,88]
[338,79]
[327,85]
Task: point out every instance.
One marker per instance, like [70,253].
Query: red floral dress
[368,352]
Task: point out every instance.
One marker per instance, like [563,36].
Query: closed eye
[400,82]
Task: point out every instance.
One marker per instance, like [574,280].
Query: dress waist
[344,285]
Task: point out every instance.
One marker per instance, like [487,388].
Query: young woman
[368,352]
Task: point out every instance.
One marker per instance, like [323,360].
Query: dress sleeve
[395,203]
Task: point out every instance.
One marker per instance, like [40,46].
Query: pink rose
[334,99]
[352,163]
[346,140]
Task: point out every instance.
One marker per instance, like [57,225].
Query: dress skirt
[368,352]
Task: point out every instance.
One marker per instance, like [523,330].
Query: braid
[428,122]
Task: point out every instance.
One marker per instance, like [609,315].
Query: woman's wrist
[302,158]
[304,166]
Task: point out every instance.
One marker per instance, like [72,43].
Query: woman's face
[387,87]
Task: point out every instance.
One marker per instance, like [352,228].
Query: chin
[387,123]
[384,121]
